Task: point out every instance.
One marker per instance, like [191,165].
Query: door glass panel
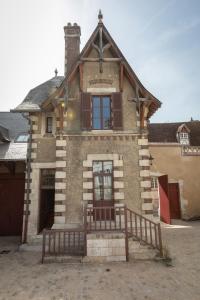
[107,194]
[98,182]
[97,167]
[107,167]
[98,194]
[107,180]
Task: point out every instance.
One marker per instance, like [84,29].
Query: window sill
[102,131]
[50,135]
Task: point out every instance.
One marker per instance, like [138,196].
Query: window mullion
[101,112]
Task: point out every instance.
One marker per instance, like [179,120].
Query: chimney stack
[72,45]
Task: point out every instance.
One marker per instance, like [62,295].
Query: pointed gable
[102,42]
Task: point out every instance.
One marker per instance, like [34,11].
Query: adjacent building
[175,153]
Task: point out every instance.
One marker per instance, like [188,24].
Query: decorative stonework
[60,184]
[190,150]
[88,175]
[145,183]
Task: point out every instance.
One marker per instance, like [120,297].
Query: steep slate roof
[39,94]
[4,134]
[15,124]
[167,132]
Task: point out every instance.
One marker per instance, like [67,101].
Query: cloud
[180,29]
[157,15]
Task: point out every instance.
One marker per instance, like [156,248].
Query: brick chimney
[72,45]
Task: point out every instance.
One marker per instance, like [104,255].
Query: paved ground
[23,277]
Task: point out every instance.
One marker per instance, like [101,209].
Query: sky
[159,38]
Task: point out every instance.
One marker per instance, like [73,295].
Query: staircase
[142,235]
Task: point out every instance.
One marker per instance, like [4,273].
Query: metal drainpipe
[28,163]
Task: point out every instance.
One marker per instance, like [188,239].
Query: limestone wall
[182,169]
[106,247]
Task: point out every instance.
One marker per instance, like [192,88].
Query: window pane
[22,138]
[49,124]
[96,102]
[107,180]
[96,112]
[98,181]
[97,166]
[107,194]
[96,124]
[107,167]
[106,117]
[106,101]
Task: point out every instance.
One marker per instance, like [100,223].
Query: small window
[49,125]
[184,138]
[101,112]
[22,138]
[154,182]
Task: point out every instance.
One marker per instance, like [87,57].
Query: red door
[175,212]
[11,204]
[164,200]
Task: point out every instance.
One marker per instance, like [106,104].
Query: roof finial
[56,72]
[100,16]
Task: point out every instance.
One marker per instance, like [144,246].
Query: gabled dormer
[183,134]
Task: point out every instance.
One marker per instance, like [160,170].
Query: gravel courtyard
[23,277]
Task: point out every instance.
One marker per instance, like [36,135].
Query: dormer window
[22,138]
[184,138]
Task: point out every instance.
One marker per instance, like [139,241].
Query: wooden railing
[60,242]
[104,219]
[144,230]
[124,220]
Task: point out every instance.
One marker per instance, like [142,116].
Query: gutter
[28,170]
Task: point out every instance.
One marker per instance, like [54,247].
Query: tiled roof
[39,94]
[167,132]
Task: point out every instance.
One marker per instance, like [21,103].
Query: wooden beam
[142,117]
[106,59]
[81,76]
[61,112]
[110,59]
[121,77]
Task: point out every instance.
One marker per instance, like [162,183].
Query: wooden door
[11,204]
[175,211]
[103,189]
[164,199]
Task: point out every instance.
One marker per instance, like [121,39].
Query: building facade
[175,149]
[89,141]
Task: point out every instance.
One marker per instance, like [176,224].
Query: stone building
[89,142]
